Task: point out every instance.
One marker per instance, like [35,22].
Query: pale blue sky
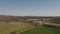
[30,7]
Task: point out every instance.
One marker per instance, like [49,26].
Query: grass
[42,30]
[7,28]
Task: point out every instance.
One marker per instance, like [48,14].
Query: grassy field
[7,28]
[42,30]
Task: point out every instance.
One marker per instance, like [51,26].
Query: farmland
[29,25]
[7,28]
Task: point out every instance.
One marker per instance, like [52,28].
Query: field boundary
[24,29]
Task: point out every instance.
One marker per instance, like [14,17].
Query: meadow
[42,30]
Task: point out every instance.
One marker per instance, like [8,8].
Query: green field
[7,28]
[42,30]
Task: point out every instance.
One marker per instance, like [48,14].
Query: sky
[30,7]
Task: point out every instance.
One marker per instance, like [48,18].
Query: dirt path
[53,24]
